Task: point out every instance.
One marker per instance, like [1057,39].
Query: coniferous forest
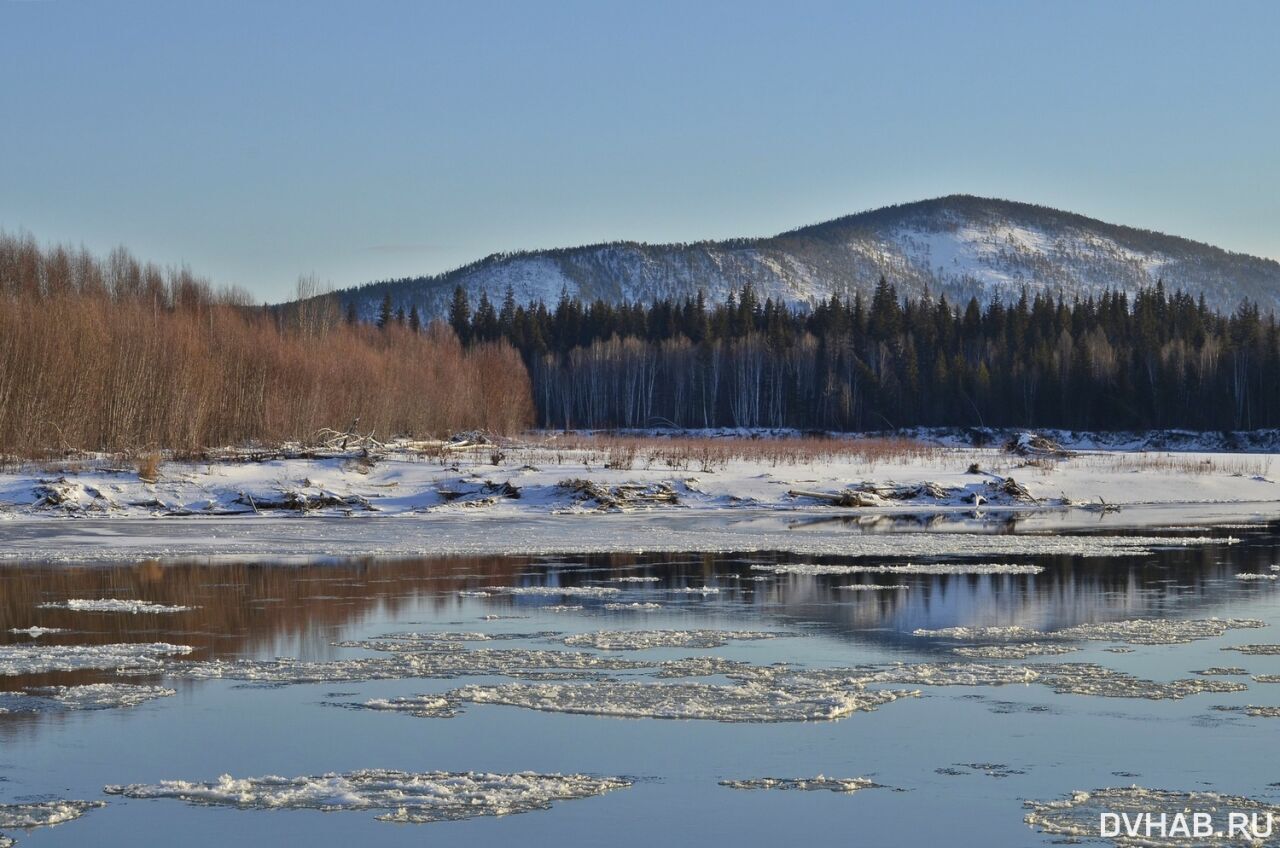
[1153,360]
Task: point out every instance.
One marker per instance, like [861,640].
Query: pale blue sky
[258,140]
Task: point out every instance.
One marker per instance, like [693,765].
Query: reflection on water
[262,610]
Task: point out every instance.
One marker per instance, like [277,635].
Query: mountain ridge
[963,246]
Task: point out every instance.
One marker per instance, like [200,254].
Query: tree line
[1156,359]
[117,355]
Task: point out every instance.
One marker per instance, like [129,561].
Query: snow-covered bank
[545,477]
[551,497]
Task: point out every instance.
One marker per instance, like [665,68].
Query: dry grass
[148,466]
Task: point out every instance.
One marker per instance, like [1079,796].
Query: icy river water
[1062,677]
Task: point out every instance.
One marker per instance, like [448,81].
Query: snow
[1140,631]
[404,796]
[38,659]
[113,605]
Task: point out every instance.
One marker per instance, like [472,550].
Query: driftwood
[847,497]
[620,496]
[303,501]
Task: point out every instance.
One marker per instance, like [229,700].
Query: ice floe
[41,814]
[36,632]
[638,640]
[92,696]
[638,606]
[1220,671]
[998,770]
[1263,712]
[1079,815]
[811,784]
[404,796]
[556,591]
[1255,650]
[444,661]
[872,587]
[634,579]
[1099,681]
[38,659]
[1016,651]
[1139,631]
[1249,575]
[741,703]
[696,590]
[422,706]
[113,605]
[1264,678]
[813,569]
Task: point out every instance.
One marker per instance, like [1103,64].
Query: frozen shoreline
[543,499]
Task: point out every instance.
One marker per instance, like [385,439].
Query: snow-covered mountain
[959,245]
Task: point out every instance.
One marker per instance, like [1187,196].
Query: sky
[257,141]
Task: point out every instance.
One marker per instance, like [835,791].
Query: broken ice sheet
[811,569]
[555,591]
[810,784]
[989,769]
[633,607]
[92,696]
[1017,651]
[405,796]
[637,640]
[1078,816]
[1138,631]
[1263,712]
[113,605]
[38,659]
[1255,650]
[741,703]
[36,632]
[1219,671]
[41,814]
[872,587]
[1092,679]
[422,706]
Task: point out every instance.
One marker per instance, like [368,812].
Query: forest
[1157,359]
[117,355]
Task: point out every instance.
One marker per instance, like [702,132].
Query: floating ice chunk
[700,667]
[696,590]
[1079,815]
[639,606]
[1219,671]
[563,608]
[812,569]
[554,591]
[872,587]
[1265,678]
[1255,650]
[1263,712]
[37,632]
[442,640]
[638,640]
[998,770]
[1011,632]
[1093,679]
[38,659]
[473,593]
[1018,651]
[422,706]
[811,784]
[405,796]
[93,696]
[1249,575]
[634,579]
[1157,631]
[447,661]
[742,703]
[113,605]
[44,813]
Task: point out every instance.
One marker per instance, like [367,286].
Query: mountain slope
[959,245]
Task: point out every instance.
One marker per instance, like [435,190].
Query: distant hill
[960,245]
